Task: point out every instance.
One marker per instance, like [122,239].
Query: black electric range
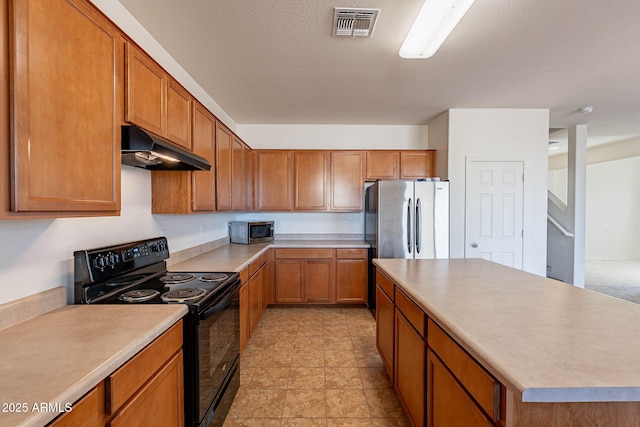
[136,273]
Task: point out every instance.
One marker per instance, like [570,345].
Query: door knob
[474,245]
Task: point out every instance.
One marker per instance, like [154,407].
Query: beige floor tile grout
[337,333]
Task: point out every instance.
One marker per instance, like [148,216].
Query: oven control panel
[101,264]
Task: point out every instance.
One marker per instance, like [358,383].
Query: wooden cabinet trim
[480,384]
[124,382]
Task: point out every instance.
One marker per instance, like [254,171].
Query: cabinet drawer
[126,381]
[412,312]
[385,284]
[304,253]
[351,253]
[474,378]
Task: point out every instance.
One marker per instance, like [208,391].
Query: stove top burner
[138,295]
[214,277]
[182,295]
[174,278]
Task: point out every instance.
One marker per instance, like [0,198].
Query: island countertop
[57,357]
[545,340]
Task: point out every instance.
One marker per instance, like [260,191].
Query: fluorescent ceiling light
[434,23]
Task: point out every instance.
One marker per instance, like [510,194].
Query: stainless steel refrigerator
[406,219]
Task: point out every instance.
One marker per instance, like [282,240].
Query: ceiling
[276,61]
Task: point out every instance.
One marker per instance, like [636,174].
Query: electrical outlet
[202,231]
[345,225]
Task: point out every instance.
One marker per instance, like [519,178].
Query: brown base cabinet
[409,369]
[352,270]
[147,390]
[449,404]
[254,295]
[437,382]
[243,296]
[321,276]
[305,276]
[385,327]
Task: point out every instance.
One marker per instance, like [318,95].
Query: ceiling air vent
[354,22]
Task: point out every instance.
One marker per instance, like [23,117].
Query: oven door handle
[224,301]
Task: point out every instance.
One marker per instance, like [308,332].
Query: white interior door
[494,211]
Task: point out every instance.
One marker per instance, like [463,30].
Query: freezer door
[424,227]
[432,219]
[396,209]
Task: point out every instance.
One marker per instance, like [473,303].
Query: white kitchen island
[563,355]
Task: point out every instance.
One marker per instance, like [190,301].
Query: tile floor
[314,367]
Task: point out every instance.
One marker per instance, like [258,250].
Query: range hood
[148,151]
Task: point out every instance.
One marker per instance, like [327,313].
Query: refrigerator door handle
[409,225]
[418,226]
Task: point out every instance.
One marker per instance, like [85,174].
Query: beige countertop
[57,357]
[545,340]
[235,257]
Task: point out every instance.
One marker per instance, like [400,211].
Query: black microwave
[247,232]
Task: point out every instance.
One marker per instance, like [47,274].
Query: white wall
[613,209]
[335,137]
[36,255]
[509,134]
[439,141]
[307,224]
[130,26]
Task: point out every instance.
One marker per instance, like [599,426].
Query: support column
[576,197]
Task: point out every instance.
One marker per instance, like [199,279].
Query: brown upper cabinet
[383,164]
[240,176]
[224,146]
[400,164]
[415,164]
[178,114]
[183,192]
[311,180]
[273,180]
[347,180]
[155,101]
[66,62]
[204,144]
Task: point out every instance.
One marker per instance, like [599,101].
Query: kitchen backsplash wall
[36,255]
[309,224]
